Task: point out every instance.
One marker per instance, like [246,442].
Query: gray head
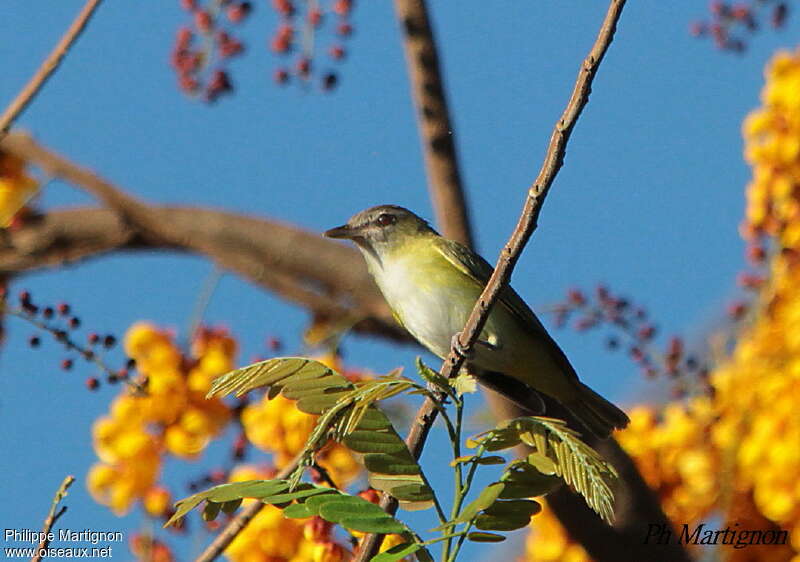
[382,227]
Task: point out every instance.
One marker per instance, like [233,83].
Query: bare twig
[436,129]
[235,526]
[52,516]
[527,223]
[49,66]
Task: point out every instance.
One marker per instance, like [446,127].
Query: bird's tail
[600,416]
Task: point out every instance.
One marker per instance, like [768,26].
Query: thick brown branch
[49,66]
[513,248]
[328,278]
[436,129]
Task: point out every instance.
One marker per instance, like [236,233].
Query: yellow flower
[16,187]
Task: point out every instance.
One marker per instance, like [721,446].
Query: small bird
[432,283]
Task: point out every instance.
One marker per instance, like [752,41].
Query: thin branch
[235,526]
[47,68]
[52,517]
[433,118]
[527,223]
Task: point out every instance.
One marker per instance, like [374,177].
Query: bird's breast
[432,300]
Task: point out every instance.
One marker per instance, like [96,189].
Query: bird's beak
[344,231]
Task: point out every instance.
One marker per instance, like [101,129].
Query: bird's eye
[385,219]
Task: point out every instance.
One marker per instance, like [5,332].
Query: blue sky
[649,199]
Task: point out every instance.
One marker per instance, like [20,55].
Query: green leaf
[484,537]
[524,481]
[231,506]
[298,511]
[343,506]
[486,498]
[210,511]
[297,494]
[501,522]
[371,441]
[343,408]
[412,492]
[434,378]
[560,451]
[526,508]
[542,463]
[390,463]
[491,459]
[397,552]
[383,526]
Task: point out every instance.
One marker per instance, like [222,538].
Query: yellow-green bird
[432,283]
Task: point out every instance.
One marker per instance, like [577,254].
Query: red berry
[237,12]
[304,66]
[281,76]
[336,52]
[315,17]
[203,21]
[92,383]
[283,7]
[342,7]
[697,28]
[329,81]
[344,29]
[63,308]
[575,296]
[66,364]
[370,494]
[93,338]
[189,5]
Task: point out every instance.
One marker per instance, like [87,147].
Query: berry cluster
[309,21]
[59,322]
[202,50]
[631,328]
[730,24]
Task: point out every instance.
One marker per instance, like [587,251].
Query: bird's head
[382,229]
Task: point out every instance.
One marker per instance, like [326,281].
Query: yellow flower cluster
[16,187]
[277,426]
[772,147]
[736,455]
[173,417]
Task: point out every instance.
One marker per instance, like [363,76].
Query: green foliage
[347,413]
[351,512]
[558,452]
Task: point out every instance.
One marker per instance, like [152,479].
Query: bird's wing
[474,266]
[478,269]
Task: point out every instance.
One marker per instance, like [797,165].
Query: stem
[458,496]
[48,67]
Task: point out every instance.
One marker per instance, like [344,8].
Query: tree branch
[328,278]
[52,516]
[527,223]
[433,118]
[47,68]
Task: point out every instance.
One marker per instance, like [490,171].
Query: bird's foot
[461,351]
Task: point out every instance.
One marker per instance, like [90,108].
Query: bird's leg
[463,353]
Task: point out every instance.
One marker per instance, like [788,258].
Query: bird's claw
[461,351]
